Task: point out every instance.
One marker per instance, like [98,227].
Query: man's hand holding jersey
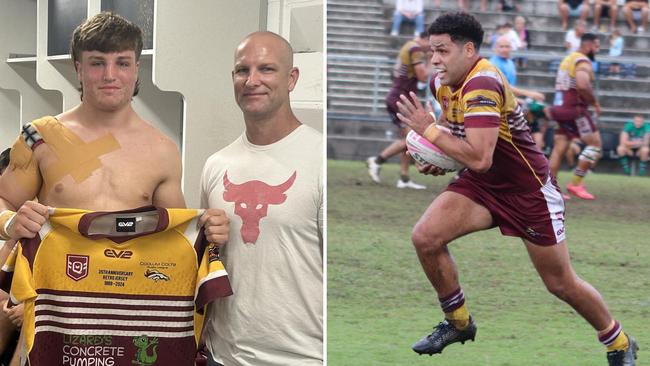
[216,226]
[27,221]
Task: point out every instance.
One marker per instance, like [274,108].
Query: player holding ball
[507,184]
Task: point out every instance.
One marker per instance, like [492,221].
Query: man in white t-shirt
[269,182]
[572,37]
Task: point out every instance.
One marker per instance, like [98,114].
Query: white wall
[9,125]
[23,99]
[301,22]
[195,58]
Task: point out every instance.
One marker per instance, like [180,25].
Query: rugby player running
[507,184]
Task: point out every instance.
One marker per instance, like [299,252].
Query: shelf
[58,58]
[20,60]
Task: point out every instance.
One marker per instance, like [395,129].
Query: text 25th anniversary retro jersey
[116,288]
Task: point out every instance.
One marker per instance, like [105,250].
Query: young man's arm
[20,183]
[169,194]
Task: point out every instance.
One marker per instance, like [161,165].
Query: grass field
[380,302]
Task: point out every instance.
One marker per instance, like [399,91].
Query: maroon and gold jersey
[483,100]
[116,288]
[566,93]
[404,77]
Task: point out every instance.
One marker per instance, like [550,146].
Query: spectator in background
[572,38]
[508,5]
[605,8]
[615,50]
[524,39]
[534,101]
[506,29]
[574,8]
[504,63]
[464,5]
[409,10]
[635,141]
[636,10]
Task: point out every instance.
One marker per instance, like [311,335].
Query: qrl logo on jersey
[77,266]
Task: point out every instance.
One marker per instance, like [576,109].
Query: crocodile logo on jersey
[252,200]
[145,355]
[77,266]
[155,275]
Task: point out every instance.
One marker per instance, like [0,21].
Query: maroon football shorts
[536,216]
[574,121]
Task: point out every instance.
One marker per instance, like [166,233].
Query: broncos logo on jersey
[152,274]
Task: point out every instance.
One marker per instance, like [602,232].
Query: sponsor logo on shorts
[560,232]
[77,266]
[156,275]
[530,231]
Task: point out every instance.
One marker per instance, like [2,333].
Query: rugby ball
[424,152]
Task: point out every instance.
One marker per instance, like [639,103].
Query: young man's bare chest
[100,171]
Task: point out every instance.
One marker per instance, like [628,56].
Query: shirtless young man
[100,155]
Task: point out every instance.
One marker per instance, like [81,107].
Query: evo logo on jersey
[125,224]
[120,254]
[77,266]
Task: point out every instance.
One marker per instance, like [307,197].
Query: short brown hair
[106,32]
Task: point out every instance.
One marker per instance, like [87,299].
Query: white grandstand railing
[377,63]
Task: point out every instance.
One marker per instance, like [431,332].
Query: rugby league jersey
[484,99]
[404,78]
[116,288]
[565,82]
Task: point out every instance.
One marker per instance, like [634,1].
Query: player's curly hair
[461,27]
[588,37]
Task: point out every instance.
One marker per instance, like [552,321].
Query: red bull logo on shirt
[252,200]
